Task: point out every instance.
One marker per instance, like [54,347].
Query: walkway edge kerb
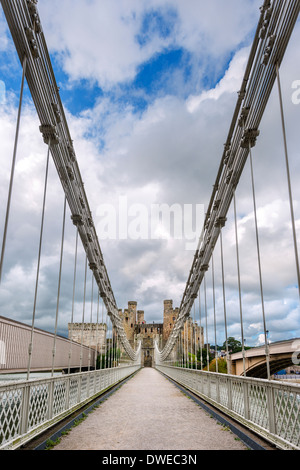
[82,414]
[251,443]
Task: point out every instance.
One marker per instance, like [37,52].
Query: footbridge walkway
[151,413]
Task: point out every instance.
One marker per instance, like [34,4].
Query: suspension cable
[13,167]
[83,313]
[288,175]
[30,348]
[239,283]
[259,267]
[201,359]
[185,345]
[91,323]
[214,305]
[195,334]
[106,343]
[224,301]
[59,284]
[207,346]
[102,346]
[97,330]
[73,298]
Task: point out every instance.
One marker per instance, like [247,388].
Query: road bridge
[282,354]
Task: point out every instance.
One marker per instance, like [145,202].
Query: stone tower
[90,334]
[170,316]
[129,317]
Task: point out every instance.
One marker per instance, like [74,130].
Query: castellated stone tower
[129,317]
[137,329]
[90,334]
[140,317]
[170,316]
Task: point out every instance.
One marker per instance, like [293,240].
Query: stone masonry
[137,329]
[92,335]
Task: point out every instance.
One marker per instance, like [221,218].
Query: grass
[51,444]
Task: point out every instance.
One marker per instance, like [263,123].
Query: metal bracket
[50,133]
[77,220]
[249,138]
[32,42]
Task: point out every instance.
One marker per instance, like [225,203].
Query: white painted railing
[269,408]
[29,408]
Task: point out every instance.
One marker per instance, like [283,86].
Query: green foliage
[204,357]
[50,444]
[234,345]
[110,359]
[222,366]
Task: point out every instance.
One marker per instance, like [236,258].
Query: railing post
[229,392]
[51,399]
[271,409]
[68,393]
[246,399]
[79,388]
[218,378]
[25,410]
[208,386]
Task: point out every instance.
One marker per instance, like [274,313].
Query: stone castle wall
[137,329]
[92,335]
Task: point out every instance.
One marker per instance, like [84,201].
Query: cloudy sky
[149,89]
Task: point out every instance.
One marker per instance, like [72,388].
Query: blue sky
[149,89]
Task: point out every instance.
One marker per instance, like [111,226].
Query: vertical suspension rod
[214,305]
[224,300]
[83,312]
[59,284]
[207,352]
[288,176]
[259,267]
[73,298]
[239,283]
[13,166]
[38,265]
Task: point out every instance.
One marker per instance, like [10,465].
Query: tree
[222,366]
[234,345]
[204,357]
[110,359]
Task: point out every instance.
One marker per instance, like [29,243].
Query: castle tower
[129,321]
[140,317]
[90,334]
[170,316]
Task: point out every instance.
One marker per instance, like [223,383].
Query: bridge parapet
[282,355]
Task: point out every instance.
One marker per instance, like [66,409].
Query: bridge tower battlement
[137,329]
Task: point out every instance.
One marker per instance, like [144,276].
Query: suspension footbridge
[30,406]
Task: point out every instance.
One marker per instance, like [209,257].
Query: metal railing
[31,407]
[269,408]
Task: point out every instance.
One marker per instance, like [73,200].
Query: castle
[137,329]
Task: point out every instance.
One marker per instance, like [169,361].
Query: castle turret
[140,317]
[129,321]
[170,316]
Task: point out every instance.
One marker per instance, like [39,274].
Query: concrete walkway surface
[149,413]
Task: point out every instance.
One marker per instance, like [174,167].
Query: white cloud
[230,83]
[99,40]
[169,153]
